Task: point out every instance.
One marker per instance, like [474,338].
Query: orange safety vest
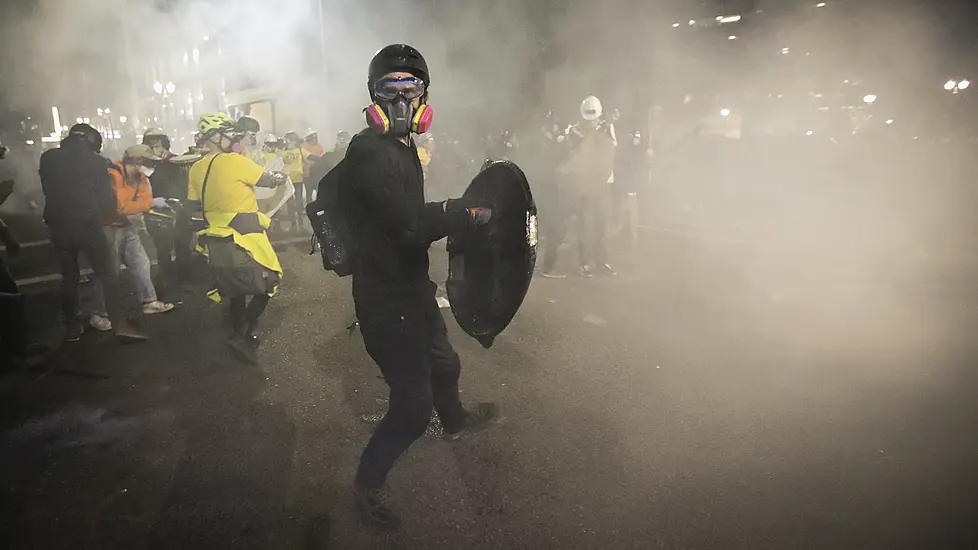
[130,199]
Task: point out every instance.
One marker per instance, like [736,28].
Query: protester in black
[78,193]
[169,226]
[392,228]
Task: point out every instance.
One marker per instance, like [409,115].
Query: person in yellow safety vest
[292,156]
[245,267]
[424,154]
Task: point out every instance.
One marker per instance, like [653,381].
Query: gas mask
[393,112]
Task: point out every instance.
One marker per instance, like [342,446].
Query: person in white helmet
[587,173]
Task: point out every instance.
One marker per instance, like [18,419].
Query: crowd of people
[225,195]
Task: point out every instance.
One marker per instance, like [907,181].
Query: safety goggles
[410,88]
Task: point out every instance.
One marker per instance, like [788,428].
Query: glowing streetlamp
[869,98]
[724,112]
[954,86]
[157,87]
[170,87]
[820,5]
[675,25]
[123,119]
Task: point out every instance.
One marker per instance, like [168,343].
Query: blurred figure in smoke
[241,257]
[130,182]
[270,149]
[15,346]
[168,223]
[424,156]
[328,161]
[79,195]
[631,177]
[251,127]
[588,172]
[556,206]
[293,159]
[403,330]
[312,151]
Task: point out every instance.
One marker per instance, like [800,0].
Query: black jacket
[383,198]
[170,180]
[76,185]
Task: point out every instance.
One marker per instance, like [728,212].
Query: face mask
[399,118]
[146,171]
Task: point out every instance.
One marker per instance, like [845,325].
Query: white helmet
[591,108]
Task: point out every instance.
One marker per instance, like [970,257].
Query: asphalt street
[708,397]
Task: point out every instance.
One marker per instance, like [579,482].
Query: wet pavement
[704,398]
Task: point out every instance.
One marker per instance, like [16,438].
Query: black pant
[89,239]
[554,228]
[409,342]
[13,316]
[245,313]
[172,240]
[592,221]
[297,203]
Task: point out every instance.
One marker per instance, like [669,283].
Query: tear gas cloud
[502,65]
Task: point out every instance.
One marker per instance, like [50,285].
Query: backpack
[328,221]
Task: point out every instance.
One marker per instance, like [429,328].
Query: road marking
[40,279]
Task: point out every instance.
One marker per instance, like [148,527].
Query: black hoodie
[76,185]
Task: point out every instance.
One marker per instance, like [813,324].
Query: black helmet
[249,124]
[397,58]
[87,136]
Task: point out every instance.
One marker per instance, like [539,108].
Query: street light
[170,87]
[123,119]
[955,86]
[724,112]
[675,25]
[157,87]
[732,37]
[99,111]
[820,5]
[869,98]
[107,111]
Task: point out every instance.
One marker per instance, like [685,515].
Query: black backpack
[328,221]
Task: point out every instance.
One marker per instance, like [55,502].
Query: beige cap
[140,152]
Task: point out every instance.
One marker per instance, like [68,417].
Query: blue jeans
[125,240]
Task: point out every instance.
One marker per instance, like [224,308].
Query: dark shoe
[73,332]
[475,419]
[586,272]
[127,333]
[244,349]
[605,269]
[375,504]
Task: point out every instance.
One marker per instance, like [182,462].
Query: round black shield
[490,268]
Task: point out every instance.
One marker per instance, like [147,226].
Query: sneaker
[475,419]
[375,504]
[586,271]
[128,333]
[150,308]
[74,331]
[552,274]
[100,323]
[605,269]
